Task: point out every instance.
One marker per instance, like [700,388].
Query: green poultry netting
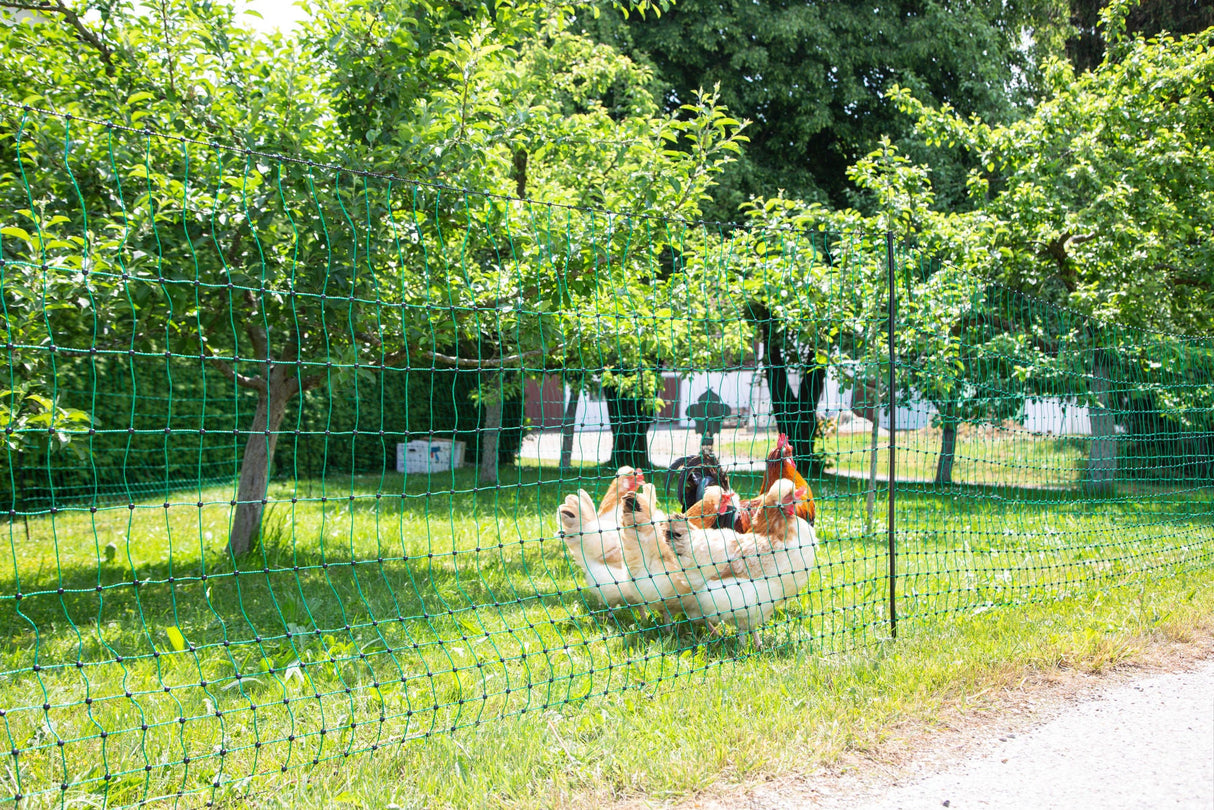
[285,445]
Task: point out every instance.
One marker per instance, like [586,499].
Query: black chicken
[695,475]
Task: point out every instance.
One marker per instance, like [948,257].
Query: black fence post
[893,436]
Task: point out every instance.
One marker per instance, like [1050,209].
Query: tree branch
[261,342]
[448,359]
[1177,279]
[1058,248]
[520,173]
[168,38]
[464,362]
[72,19]
[292,352]
[225,368]
[1003,325]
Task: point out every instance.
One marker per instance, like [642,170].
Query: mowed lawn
[983,455]
[378,616]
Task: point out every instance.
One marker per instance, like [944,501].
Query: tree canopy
[813,78]
[391,231]
[1102,198]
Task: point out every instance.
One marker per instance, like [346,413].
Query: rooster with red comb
[780,465]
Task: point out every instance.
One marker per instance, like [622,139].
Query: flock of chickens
[722,560]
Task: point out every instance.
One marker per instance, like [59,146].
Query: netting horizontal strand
[286,443]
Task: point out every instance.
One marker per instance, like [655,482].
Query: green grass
[787,713]
[983,456]
[365,620]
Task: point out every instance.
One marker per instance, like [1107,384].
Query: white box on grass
[429,455]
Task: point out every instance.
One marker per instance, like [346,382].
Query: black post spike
[893,441]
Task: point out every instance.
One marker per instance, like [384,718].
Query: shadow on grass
[417,606]
[268,604]
[502,587]
[267,590]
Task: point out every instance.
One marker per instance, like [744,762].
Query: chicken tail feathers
[674,467]
[574,515]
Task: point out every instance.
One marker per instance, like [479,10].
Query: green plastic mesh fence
[292,456]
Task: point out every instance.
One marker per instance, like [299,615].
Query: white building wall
[1057,416]
[749,389]
[591,412]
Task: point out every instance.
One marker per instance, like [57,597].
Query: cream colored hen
[595,543]
[656,571]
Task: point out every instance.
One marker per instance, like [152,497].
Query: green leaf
[19,233]
[41,401]
[176,639]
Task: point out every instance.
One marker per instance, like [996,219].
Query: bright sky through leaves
[280,14]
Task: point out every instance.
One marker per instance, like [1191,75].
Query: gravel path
[1071,742]
[1148,744]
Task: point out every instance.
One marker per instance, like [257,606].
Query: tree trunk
[630,420]
[258,455]
[1102,455]
[569,427]
[813,384]
[948,447]
[796,416]
[490,432]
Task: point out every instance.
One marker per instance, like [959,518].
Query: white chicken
[741,578]
[595,544]
[656,571]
